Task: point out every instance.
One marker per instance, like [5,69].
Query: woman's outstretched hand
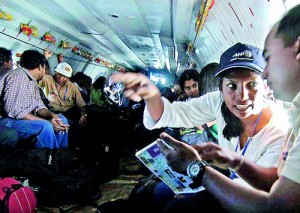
[137,86]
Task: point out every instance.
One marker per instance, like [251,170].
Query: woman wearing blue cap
[251,128]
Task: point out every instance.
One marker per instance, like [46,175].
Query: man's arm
[232,196]
[45,114]
[285,196]
[83,118]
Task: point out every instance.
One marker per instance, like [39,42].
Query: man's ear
[297,45]
[6,64]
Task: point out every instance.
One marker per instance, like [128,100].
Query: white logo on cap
[245,55]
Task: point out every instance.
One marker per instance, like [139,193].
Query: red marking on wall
[251,11]
[235,14]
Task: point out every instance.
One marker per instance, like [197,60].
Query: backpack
[15,198]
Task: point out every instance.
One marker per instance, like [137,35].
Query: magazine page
[154,160]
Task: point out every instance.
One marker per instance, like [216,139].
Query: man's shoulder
[16,73]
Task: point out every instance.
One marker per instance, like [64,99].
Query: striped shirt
[19,94]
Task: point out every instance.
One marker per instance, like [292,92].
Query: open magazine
[154,160]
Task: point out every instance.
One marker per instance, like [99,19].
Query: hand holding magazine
[156,162]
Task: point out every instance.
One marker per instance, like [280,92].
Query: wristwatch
[195,171]
[84,114]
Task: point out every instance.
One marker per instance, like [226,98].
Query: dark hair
[289,26]
[100,83]
[233,127]
[188,75]
[32,59]
[5,56]
[207,80]
[79,76]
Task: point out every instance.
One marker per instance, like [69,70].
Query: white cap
[64,69]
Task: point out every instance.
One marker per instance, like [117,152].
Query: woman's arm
[139,86]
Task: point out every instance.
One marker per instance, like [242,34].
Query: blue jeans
[40,131]
[163,194]
[8,137]
[201,201]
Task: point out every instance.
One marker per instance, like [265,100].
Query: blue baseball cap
[241,56]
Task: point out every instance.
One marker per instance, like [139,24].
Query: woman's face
[191,88]
[243,92]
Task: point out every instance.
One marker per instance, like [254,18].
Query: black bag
[32,163]
[79,186]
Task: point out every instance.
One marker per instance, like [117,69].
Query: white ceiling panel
[142,34]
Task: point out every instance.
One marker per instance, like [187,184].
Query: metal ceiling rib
[153,34]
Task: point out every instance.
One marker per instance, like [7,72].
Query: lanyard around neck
[249,139]
[65,93]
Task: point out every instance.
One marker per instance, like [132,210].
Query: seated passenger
[84,84]
[22,109]
[65,98]
[63,95]
[98,96]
